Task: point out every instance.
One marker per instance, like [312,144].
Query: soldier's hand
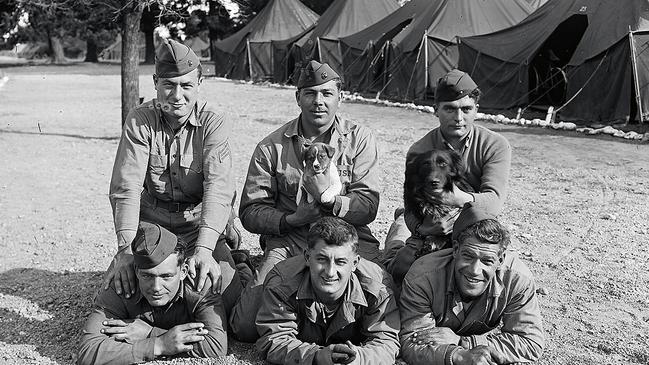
[305,213]
[323,356]
[316,184]
[343,353]
[122,274]
[126,330]
[180,338]
[435,336]
[201,265]
[440,227]
[479,355]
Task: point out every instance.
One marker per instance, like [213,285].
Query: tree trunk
[149,47]
[91,49]
[130,57]
[57,50]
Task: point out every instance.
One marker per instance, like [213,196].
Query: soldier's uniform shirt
[187,306]
[192,165]
[291,322]
[276,169]
[429,299]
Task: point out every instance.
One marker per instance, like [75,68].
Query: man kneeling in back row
[453,300]
[164,317]
[329,306]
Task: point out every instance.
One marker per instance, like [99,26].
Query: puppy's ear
[305,154]
[330,150]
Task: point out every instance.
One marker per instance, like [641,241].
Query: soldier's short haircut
[333,231]
[487,231]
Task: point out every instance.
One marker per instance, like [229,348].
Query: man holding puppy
[164,317]
[329,306]
[471,304]
[268,201]
[486,155]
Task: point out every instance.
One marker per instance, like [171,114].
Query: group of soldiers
[323,293]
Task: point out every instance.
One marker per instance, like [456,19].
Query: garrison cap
[471,214]
[454,85]
[316,73]
[152,245]
[175,59]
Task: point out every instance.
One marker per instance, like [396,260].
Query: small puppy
[318,159]
[428,175]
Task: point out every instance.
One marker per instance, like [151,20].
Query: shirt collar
[340,125]
[193,120]
[439,139]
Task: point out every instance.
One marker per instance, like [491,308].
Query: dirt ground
[577,208]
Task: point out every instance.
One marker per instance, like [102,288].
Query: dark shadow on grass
[65,296]
[9,131]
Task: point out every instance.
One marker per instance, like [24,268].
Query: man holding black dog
[329,306]
[173,167]
[268,201]
[472,304]
[486,156]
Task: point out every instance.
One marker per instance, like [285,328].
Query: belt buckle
[176,207]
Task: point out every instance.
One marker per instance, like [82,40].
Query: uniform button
[174,155]
[173,173]
[175,188]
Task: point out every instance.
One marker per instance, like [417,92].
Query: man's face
[178,95]
[456,117]
[319,103]
[160,284]
[331,267]
[475,266]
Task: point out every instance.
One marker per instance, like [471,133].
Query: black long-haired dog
[428,175]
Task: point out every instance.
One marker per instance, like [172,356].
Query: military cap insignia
[323,75]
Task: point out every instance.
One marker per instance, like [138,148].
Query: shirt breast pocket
[191,163]
[157,164]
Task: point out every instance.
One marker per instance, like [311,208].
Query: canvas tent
[342,18]
[418,43]
[247,53]
[576,54]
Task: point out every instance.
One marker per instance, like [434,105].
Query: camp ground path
[577,209]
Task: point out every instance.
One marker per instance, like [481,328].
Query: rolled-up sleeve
[416,315]
[257,210]
[278,328]
[218,184]
[129,170]
[96,348]
[360,203]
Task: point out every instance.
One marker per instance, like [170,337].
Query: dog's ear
[305,154]
[330,150]
[457,164]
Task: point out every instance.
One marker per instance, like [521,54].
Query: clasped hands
[479,355]
[340,353]
[180,338]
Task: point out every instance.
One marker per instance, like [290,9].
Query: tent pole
[319,49]
[425,45]
[249,57]
[636,82]
[386,62]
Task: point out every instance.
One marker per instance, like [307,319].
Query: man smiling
[329,306]
[164,317]
[453,300]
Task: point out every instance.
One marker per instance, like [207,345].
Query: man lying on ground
[453,300]
[164,317]
[329,306]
